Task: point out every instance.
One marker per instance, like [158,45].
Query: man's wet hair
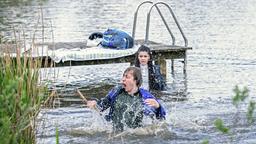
[136,72]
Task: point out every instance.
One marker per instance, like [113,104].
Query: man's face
[128,81]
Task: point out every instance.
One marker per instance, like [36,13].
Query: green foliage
[220,126]
[250,110]
[57,135]
[206,141]
[240,95]
[20,99]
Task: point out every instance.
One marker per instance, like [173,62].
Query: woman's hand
[91,104]
[152,103]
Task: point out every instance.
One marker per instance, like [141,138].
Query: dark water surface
[223,37]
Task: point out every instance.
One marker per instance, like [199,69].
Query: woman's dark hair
[144,48]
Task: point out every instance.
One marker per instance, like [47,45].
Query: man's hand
[152,103]
[91,104]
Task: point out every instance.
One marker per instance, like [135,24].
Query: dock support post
[161,61]
[185,62]
[172,65]
[163,67]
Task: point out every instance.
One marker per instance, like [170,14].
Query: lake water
[223,37]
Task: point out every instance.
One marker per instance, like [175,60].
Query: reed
[20,95]
[238,100]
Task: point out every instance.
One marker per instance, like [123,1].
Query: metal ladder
[163,19]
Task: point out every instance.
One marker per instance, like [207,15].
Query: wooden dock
[160,52]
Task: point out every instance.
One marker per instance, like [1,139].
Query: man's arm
[160,113]
[106,102]
[159,110]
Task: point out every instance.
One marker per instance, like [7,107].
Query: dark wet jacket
[156,79]
[121,113]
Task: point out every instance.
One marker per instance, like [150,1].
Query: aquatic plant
[20,95]
[220,126]
[250,111]
[240,96]
[57,135]
[206,141]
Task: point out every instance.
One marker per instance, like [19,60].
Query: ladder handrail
[166,25]
[175,19]
[135,21]
[135,17]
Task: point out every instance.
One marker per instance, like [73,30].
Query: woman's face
[143,57]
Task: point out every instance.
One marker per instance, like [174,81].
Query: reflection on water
[223,37]
[8,3]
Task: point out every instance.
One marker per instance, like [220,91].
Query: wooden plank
[161,52]
[155,46]
[125,59]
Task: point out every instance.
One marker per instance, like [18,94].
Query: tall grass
[239,98]
[20,96]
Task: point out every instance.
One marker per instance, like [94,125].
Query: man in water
[128,103]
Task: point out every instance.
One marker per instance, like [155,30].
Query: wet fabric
[128,111]
[158,79]
[145,76]
[114,101]
[155,79]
